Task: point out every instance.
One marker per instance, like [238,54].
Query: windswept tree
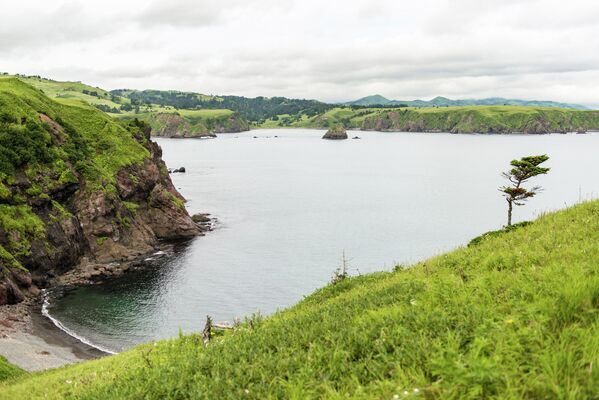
[522,170]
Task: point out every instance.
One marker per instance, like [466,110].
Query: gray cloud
[460,48]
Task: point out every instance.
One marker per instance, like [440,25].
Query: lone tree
[523,170]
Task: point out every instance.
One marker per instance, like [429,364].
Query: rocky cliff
[77,188]
[502,120]
[173,125]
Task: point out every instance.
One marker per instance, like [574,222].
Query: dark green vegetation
[256,110]
[9,372]
[164,118]
[522,170]
[187,114]
[514,316]
[378,100]
[45,147]
[492,119]
[76,182]
[474,119]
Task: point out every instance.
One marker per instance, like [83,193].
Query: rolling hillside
[165,120]
[515,316]
[463,119]
[445,102]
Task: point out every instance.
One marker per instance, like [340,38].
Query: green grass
[462,119]
[73,91]
[9,372]
[515,316]
[194,122]
[105,145]
[45,147]
[77,93]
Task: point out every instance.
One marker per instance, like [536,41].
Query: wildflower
[509,321]
[395,396]
[413,302]
[68,381]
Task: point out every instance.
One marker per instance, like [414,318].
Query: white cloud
[336,50]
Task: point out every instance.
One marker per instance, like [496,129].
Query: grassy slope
[114,146]
[462,119]
[516,316]
[9,372]
[71,92]
[95,145]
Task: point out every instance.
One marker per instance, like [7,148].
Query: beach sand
[31,341]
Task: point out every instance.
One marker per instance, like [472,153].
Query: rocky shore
[31,341]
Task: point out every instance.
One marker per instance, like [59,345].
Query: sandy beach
[32,342]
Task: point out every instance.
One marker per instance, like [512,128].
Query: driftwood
[207,332]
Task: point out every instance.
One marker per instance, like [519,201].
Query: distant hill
[378,100]
[256,110]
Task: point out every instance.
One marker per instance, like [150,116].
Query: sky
[334,50]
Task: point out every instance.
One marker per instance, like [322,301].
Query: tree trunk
[509,212]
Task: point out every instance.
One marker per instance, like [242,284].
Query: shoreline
[32,342]
[35,342]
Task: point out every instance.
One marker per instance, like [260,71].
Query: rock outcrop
[336,132]
[172,125]
[57,216]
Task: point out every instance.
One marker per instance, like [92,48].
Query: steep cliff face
[76,187]
[484,120]
[177,126]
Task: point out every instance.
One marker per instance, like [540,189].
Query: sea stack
[336,132]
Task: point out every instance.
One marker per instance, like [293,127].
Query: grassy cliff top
[514,316]
[99,145]
[448,119]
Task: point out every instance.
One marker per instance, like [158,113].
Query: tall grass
[515,316]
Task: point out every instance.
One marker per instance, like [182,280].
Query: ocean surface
[290,204]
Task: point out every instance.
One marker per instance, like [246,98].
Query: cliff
[77,188]
[195,123]
[501,119]
[463,119]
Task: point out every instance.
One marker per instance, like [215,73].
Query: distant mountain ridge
[378,100]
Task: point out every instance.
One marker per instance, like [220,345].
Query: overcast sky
[328,50]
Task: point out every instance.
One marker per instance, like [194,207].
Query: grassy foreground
[9,371]
[514,316]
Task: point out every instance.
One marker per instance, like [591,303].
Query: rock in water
[336,132]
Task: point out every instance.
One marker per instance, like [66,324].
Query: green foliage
[514,317]
[9,372]
[22,226]
[94,143]
[21,144]
[254,109]
[492,234]
[522,171]
[132,207]
[463,119]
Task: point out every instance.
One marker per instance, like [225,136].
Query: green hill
[76,184]
[160,116]
[462,119]
[440,101]
[515,316]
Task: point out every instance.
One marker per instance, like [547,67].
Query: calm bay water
[289,206]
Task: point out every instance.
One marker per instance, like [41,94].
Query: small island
[336,132]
